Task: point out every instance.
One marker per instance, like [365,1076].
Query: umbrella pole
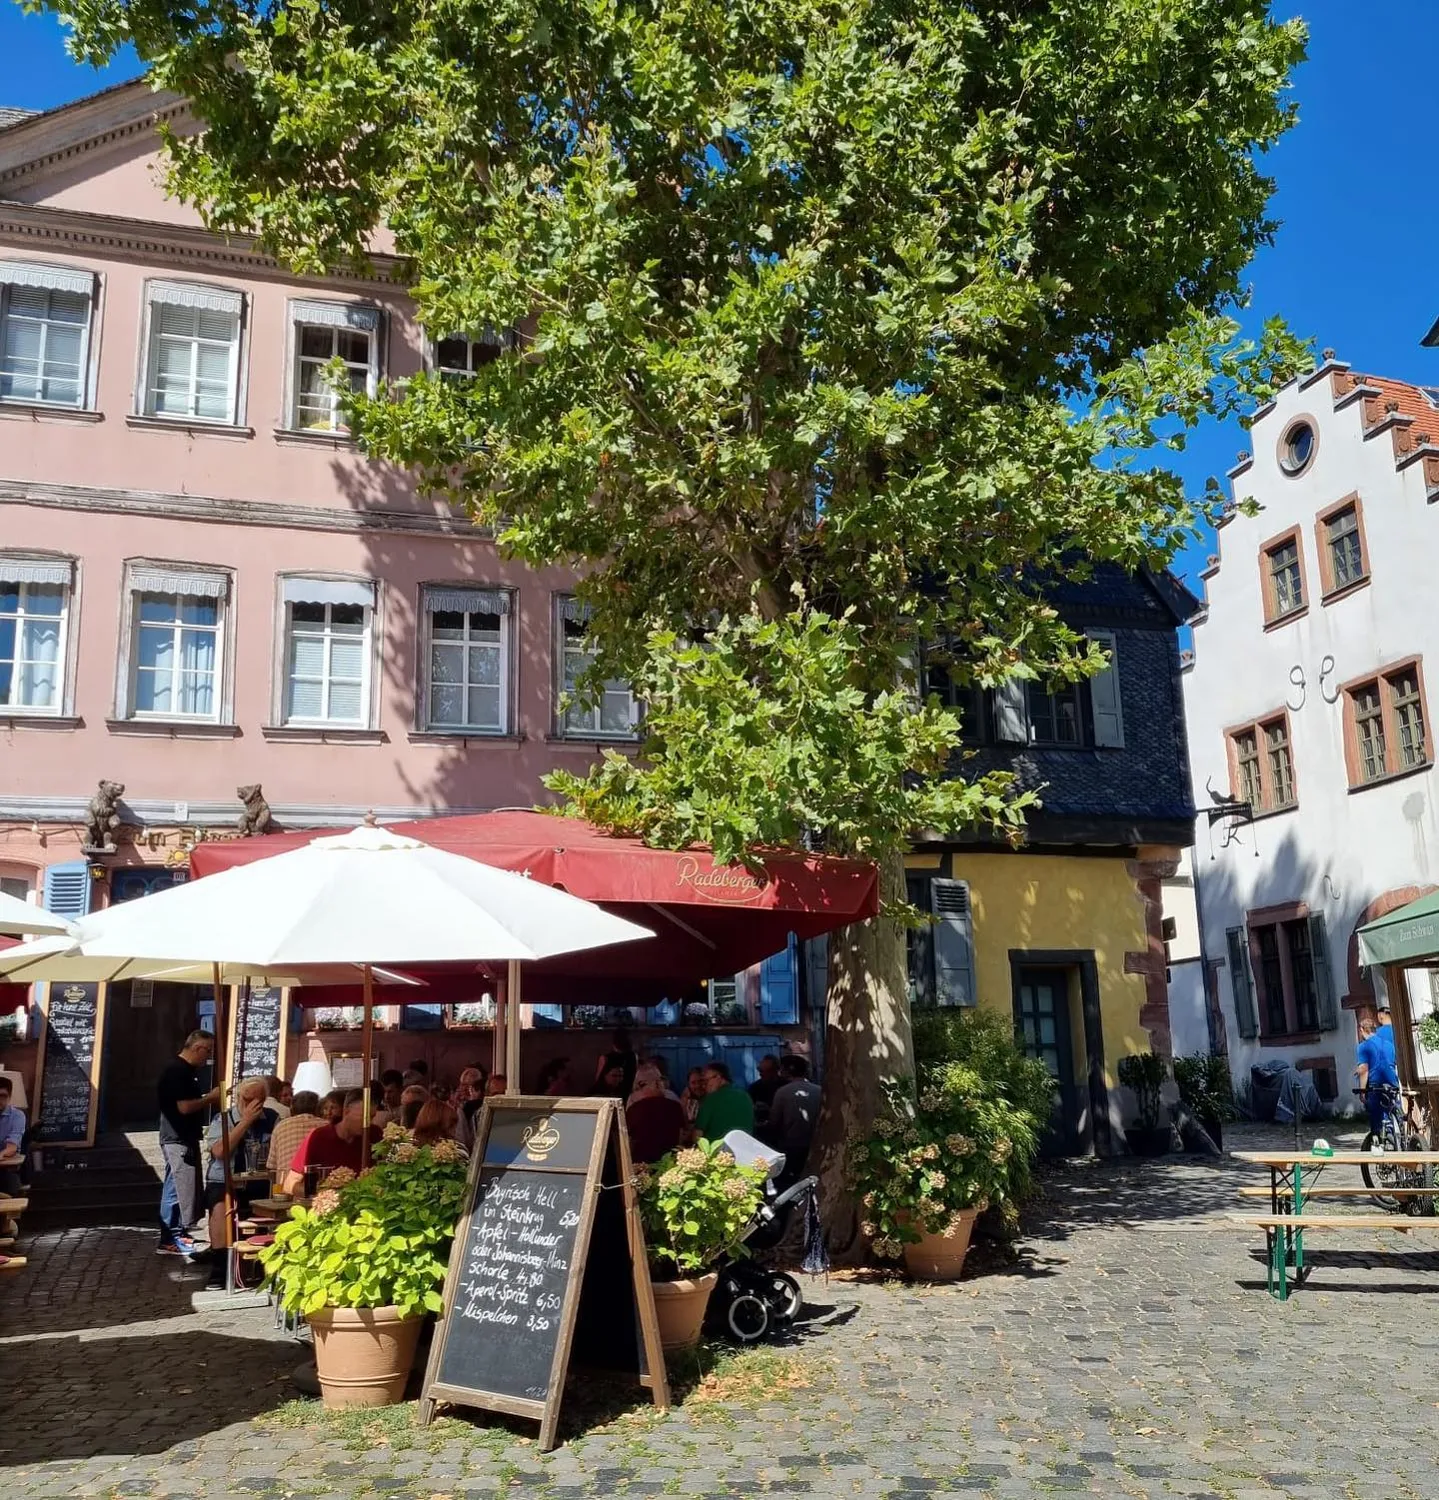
[367,1053]
[222,1065]
[512,1027]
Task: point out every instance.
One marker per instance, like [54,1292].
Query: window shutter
[67,889]
[1104,695]
[953,942]
[1323,974]
[1011,712]
[779,989]
[1245,1015]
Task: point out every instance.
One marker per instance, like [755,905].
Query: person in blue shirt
[1376,1066]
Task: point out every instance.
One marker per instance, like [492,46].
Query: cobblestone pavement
[1130,1350]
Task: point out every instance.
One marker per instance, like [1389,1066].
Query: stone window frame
[90,362]
[1382,678]
[509,662]
[1257,726]
[64,707]
[1293,471]
[1330,591]
[1278,918]
[1273,619]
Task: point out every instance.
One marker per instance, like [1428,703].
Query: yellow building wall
[1050,901]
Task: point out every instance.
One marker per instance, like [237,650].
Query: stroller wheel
[785,1296]
[747,1318]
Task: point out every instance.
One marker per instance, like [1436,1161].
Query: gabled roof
[70,128]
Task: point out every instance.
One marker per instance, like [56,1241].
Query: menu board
[69,1072]
[259,1030]
[531,1253]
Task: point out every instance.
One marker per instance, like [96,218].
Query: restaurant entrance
[148,1024]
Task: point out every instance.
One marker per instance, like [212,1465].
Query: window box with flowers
[933,1164]
[365,1262]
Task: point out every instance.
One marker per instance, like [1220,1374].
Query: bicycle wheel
[1378,1177]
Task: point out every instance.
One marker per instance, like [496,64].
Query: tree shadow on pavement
[78,1398]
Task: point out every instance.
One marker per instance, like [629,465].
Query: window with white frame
[459,357]
[609,713]
[321,333]
[34,616]
[192,361]
[45,316]
[328,627]
[177,625]
[467,660]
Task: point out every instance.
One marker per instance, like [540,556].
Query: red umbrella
[709,919]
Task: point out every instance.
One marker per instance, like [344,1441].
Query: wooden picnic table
[1293,1181]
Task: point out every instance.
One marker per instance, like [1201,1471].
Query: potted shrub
[695,1203]
[933,1163]
[364,1265]
[1144,1073]
[1205,1086]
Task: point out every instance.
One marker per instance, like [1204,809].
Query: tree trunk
[867,1040]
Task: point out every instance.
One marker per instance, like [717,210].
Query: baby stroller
[751,1301]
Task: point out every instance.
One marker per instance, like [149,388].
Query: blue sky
[1352,265]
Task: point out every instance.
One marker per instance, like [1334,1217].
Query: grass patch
[397,1428]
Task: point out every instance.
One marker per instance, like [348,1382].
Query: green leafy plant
[1428,1032]
[695,1204]
[962,1143]
[381,1239]
[1205,1085]
[1144,1073]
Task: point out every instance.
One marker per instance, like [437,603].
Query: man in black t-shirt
[183,1102]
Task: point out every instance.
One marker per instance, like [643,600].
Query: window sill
[174,729]
[40,411]
[592,741]
[313,437]
[40,721]
[1258,814]
[1291,1039]
[1280,621]
[1334,595]
[462,737]
[189,425]
[319,734]
[1391,776]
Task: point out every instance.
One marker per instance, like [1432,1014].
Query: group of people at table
[294,1140]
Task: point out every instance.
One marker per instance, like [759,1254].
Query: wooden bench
[1284,1238]
[1339,1192]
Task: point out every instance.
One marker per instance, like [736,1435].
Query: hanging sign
[548,1264]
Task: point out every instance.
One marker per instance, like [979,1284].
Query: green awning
[1404,936]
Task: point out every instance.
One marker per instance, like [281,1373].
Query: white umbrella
[65,960]
[365,897]
[368,897]
[18,918]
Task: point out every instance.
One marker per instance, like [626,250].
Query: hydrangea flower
[338,1178]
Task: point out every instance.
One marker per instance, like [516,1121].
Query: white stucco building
[1305,701]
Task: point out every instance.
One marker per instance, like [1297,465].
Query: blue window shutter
[548,1015]
[67,889]
[953,942]
[779,989]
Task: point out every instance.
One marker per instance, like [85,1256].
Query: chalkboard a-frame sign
[548,1264]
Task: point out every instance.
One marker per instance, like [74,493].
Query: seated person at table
[332,1107]
[12,1142]
[555,1079]
[394,1085]
[436,1122]
[415,1097]
[655,1119]
[274,1087]
[765,1087]
[724,1107]
[249,1121]
[611,1083]
[288,1135]
[333,1146]
[496,1083]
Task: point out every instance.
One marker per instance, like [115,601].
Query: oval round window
[1296,447]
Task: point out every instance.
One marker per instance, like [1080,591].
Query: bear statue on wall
[102,818]
[256,817]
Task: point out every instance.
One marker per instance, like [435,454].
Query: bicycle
[1398,1131]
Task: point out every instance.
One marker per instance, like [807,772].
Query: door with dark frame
[1041,1026]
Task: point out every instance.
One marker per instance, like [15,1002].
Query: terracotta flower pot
[940,1257]
[680,1309]
[363,1354]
